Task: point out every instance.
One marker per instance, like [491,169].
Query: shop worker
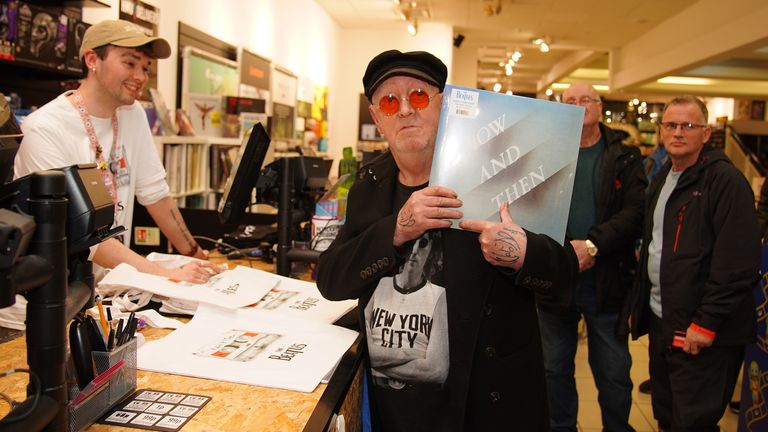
[699,263]
[603,226]
[485,371]
[101,122]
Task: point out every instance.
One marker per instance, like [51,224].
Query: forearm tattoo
[506,247]
[405,218]
[176,216]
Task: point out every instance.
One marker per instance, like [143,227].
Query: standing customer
[699,263]
[485,371]
[102,122]
[603,224]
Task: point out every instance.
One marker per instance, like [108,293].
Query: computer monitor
[243,176]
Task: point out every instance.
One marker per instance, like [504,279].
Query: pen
[102,317]
[111,340]
[119,333]
[98,340]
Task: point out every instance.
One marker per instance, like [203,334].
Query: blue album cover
[493,147]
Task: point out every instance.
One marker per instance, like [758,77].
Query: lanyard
[108,169]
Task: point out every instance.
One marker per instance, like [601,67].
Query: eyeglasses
[389,104]
[583,101]
[687,127]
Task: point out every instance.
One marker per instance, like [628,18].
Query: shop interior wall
[357,48]
[298,35]
[295,34]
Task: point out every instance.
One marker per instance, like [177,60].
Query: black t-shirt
[407,335]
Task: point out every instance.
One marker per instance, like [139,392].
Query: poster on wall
[206,74]
[255,74]
[284,86]
[146,17]
[206,114]
[319,124]
[305,90]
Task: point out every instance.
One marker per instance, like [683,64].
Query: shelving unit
[195,167]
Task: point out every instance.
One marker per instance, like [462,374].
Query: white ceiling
[589,36]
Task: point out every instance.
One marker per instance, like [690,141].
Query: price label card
[156,410]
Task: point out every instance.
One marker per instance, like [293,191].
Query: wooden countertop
[233,407]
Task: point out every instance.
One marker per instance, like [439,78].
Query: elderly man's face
[409,130]
[584,95]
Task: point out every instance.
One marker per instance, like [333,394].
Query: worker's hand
[586,261]
[502,243]
[428,208]
[195,271]
[695,341]
[201,253]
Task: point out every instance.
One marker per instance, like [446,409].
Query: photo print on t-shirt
[407,322]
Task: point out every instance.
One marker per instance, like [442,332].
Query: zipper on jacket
[679,226]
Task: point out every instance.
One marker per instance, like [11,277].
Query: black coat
[710,253]
[618,225]
[496,372]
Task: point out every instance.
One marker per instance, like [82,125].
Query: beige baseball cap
[123,34]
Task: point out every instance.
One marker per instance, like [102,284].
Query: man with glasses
[603,226]
[488,374]
[699,263]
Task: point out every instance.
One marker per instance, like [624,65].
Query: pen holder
[120,385]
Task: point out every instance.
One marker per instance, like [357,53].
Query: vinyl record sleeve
[493,147]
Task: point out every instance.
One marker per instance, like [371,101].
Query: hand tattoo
[506,246]
[405,218]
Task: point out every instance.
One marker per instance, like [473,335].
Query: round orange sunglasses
[389,104]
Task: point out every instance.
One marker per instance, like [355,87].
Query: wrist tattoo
[406,219]
[506,246]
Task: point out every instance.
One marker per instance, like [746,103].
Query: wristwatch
[591,248]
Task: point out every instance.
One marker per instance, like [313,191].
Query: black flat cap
[416,64]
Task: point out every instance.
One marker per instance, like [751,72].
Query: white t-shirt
[54,137]
[657,240]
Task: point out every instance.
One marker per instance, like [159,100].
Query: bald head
[584,95]
[578,90]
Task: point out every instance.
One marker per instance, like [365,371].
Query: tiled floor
[641,416]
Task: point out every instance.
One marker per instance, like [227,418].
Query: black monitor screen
[242,178]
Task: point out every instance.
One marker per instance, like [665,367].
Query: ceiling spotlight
[413,27]
[516,56]
[497,87]
[548,92]
[543,44]
[509,92]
